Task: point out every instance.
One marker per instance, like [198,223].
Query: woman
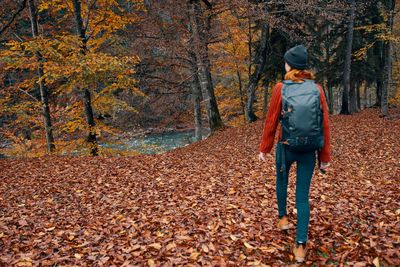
[295,65]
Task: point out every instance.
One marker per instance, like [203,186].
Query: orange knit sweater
[272,121]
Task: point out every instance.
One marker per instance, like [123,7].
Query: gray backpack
[301,116]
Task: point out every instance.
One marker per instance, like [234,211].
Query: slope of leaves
[211,203]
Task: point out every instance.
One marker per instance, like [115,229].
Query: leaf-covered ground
[211,203]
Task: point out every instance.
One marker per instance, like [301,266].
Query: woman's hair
[299,75]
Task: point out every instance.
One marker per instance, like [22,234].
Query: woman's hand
[263,156]
[324,165]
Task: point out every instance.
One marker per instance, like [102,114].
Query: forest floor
[211,203]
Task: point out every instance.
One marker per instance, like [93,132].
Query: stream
[158,142]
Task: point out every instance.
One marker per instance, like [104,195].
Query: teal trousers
[305,168]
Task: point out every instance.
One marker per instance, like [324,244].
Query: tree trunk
[250,44]
[366,97]
[260,60]
[242,101]
[330,97]
[370,99]
[358,97]
[42,87]
[386,82]
[327,62]
[265,100]
[347,61]
[345,102]
[353,96]
[379,49]
[91,138]
[196,94]
[388,61]
[203,64]
[197,110]
[379,86]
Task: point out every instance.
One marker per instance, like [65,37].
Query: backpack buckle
[285,142]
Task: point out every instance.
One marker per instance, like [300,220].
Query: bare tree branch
[28,94]
[208,4]
[19,10]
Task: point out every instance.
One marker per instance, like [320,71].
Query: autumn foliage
[69,66]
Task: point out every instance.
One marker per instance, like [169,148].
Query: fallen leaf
[247,245]
[171,246]
[376,262]
[360,264]
[150,262]
[22,222]
[234,238]
[135,247]
[194,255]
[268,249]
[155,246]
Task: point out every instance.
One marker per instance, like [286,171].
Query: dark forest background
[77,73]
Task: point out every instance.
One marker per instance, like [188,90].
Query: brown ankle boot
[283,223]
[300,252]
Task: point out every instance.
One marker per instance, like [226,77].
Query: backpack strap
[283,143]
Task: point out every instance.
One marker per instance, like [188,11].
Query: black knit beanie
[296,57]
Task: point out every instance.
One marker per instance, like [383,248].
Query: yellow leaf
[159,234]
[360,264]
[376,262]
[268,249]
[150,262]
[254,263]
[78,256]
[247,245]
[135,247]
[183,237]
[155,245]
[171,246]
[231,206]
[194,255]
[205,248]
[24,263]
